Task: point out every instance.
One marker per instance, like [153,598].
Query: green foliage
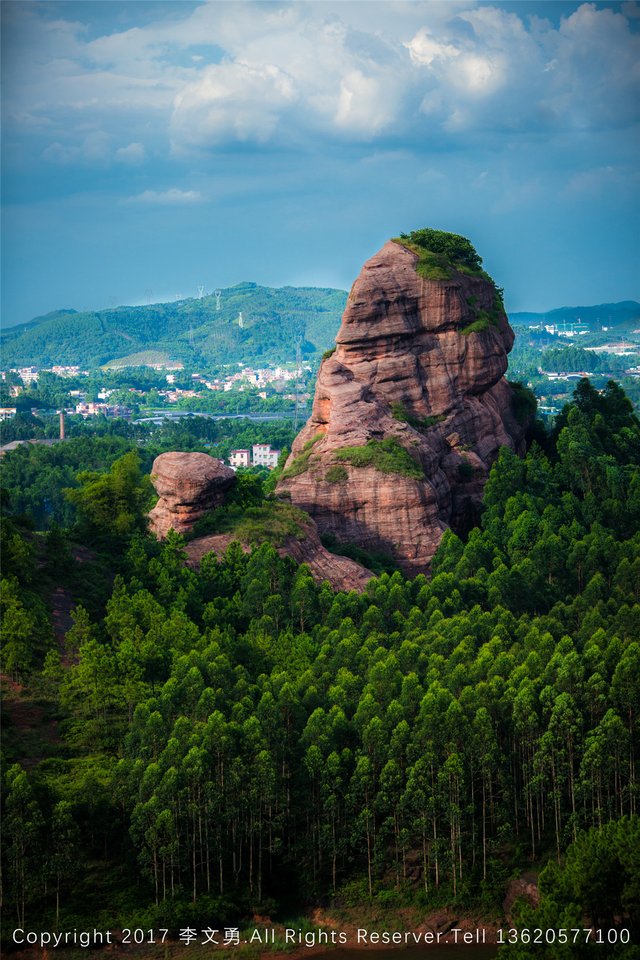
[439,250]
[114,505]
[478,326]
[465,470]
[455,248]
[419,744]
[378,562]
[387,456]
[524,401]
[329,353]
[336,474]
[400,412]
[18,631]
[271,521]
[599,880]
[301,462]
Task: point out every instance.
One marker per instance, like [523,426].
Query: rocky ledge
[409,413]
[189,485]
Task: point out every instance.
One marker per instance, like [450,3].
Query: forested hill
[609,314]
[193,331]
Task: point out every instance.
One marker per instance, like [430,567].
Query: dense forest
[192,330]
[230,734]
[37,477]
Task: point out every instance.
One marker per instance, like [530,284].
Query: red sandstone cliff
[401,342]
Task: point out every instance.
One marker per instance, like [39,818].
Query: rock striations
[190,485]
[410,411]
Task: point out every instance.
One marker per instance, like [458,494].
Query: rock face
[342,573]
[189,485]
[402,353]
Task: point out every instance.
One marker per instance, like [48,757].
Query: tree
[115,504]
[22,829]
[18,632]
[64,861]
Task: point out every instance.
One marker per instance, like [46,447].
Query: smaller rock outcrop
[189,485]
[343,574]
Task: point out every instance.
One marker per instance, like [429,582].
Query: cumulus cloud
[134,154]
[95,149]
[172,197]
[236,101]
[303,73]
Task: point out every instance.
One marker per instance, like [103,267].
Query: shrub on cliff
[439,251]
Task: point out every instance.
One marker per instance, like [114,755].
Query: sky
[154,147]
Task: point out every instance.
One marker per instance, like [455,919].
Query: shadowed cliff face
[401,350]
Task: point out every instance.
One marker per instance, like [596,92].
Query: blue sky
[162,146]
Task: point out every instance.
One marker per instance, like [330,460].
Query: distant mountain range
[607,314]
[250,324]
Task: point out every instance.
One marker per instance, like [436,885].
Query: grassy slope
[271,317]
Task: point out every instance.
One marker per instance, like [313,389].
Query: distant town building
[7,413]
[240,458]
[264,456]
[111,411]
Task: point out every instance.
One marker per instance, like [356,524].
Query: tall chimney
[62,424]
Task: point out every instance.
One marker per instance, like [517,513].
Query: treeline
[419,743]
[565,359]
[36,476]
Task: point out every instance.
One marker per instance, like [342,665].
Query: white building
[264,456]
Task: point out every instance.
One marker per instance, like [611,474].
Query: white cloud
[424,49]
[95,149]
[134,154]
[172,197]
[236,101]
[299,73]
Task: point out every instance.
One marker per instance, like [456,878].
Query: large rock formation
[190,485]
[423,395]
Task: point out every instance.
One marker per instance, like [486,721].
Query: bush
[401,413]
[301,462]
[465,471]
[329,353]
[439,251]
[336,474]
[270,521]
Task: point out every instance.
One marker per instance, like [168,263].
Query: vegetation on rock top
[387,456]
[439,251]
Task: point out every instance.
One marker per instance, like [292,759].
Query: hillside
[609,314]
[190,330]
